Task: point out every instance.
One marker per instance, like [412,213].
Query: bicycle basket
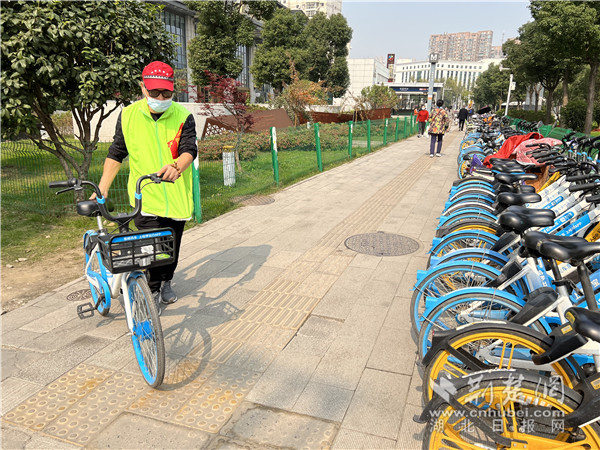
[125,252]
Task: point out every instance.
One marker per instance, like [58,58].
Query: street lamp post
[510,87]
[433,59]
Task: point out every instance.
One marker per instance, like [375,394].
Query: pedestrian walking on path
[422,117]
[462,116]
[439,124]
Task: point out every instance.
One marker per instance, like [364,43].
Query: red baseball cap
[158,75]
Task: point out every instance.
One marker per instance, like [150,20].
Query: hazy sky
[403,27]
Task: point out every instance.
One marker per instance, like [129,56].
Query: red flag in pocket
[174,144]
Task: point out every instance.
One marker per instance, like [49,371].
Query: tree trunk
[549,94]
[565,97]
[591,94]
[237,153]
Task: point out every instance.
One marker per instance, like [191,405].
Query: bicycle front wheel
[469,306]
[444,279]
[147,335]
[522,411]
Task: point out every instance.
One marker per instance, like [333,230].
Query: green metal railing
[296,153]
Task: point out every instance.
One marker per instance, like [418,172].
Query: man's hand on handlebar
[93,196]
[170,172]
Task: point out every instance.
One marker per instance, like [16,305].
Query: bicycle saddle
[508,170]
[89,208]
[502,161]
[518,219]
[569,251]
[523,188]
[510,198]
[510,178]
[585,322]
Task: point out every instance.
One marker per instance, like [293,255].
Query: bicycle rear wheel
[147,335]
[494,346]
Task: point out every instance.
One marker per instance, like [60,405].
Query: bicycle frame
[113,283]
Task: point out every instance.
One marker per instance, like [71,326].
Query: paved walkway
[282,336]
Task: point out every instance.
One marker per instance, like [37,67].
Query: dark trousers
[163,273]
[434,138]
[461,124]
[422,128]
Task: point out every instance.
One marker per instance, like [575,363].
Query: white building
[364,72]
[310,8]
[464,72]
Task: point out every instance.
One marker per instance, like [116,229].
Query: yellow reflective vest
[150,144]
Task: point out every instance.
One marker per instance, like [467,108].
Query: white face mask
[159,105]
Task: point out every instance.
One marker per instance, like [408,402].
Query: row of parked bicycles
[506,313]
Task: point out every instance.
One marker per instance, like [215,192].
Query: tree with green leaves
[491,87]
[223,26]
[317,47]
[534,58]
[74,56]
[458,92]
[283,44]
[327,48]
[573,30]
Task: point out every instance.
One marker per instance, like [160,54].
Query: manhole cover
[382,244]
[253,200]
[81,294]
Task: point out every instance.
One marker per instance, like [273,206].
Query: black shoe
[167,294]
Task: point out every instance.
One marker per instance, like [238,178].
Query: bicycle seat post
[588,290]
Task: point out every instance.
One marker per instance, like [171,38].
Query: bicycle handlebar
[63,184]
[76,184]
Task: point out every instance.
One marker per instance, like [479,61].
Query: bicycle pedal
[85,310]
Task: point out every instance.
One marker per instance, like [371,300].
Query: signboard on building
[412,89]
[391,58]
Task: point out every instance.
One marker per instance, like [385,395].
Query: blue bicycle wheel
[444,279]
[470,306]
[147,335]
[461,239]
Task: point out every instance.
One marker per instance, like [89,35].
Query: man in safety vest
[159,136]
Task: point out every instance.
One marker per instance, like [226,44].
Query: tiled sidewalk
[282,337]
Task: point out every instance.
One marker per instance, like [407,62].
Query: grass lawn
[28,233]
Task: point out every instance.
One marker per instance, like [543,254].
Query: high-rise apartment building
[310,8]
[462,46]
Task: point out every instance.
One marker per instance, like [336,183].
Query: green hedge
[530,116]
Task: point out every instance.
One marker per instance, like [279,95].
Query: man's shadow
[211,281]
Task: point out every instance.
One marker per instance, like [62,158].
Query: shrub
[574,114]
[211,148]
[530,116]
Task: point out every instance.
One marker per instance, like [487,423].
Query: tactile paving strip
[279,317]
[216,350]
[236,330]
[98,409]
[262,348]
[42,408]
[212,406]
[178,387]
